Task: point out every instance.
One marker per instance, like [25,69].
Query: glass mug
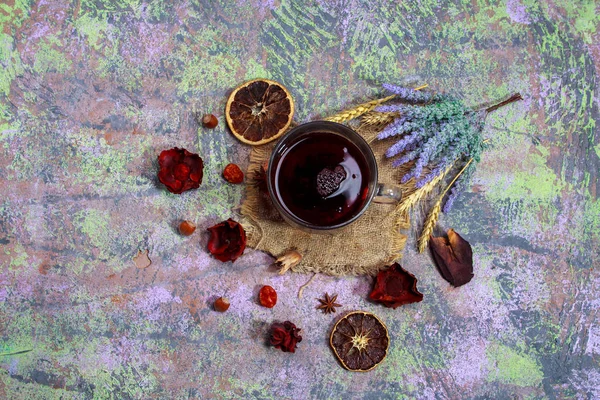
[322,176]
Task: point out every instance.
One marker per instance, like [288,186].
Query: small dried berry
[209,121]
[329,181]
[267,296]
[221,304]
[233,174]
[186,228]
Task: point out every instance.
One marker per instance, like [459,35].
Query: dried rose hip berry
[221,304]
[186,228]
[209,121]
[267,296]
[233,174]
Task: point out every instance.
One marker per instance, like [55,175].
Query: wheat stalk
[359,110]
[432,218]
[434,214]
[421,193]
[378,118]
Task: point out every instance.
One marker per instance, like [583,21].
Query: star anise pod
[328,304]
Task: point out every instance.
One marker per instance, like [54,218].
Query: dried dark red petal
[227,240]
[180,170]
[395,287]
[285,336]
[453,257]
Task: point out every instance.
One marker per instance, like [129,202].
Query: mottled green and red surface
[91,91]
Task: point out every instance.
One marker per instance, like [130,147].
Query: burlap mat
[363,248]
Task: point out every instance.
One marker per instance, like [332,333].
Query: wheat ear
[434,214]
[421,193]
[357,111]
[379,118]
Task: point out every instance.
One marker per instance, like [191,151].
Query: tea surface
[307,163]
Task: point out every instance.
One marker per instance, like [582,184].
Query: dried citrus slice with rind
[259,111]
[360,341]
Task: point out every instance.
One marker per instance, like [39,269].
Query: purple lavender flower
[405,158]
[454,192]
[391,129]
[439,168]
[408,176]
[424,158]
[401,129]
[393,108]
[401,145]
[408,94]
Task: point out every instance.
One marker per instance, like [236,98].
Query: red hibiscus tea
[321,179]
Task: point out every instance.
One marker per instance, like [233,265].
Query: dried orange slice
[360,341]
[259,111]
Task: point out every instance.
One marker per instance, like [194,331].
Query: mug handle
[387,194]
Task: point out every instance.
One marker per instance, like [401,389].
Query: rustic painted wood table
[92,91]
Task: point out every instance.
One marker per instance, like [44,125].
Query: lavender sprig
[439,133]
[439,168]
[459,186]
[454,193]
[406,158]
[402,144]
[407,94]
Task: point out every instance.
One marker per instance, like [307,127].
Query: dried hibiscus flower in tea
[395,287]
[453,257]
[227,240]
[285,336]
[180,170]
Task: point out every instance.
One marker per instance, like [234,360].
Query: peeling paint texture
[92,90]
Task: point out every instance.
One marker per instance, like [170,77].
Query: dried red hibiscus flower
[285,336]
[453,257]
[227,240]
[395,287]
[180,170]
